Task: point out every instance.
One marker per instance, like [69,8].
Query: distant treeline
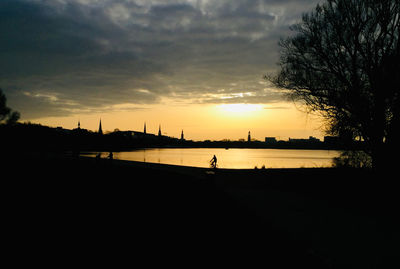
[35,137]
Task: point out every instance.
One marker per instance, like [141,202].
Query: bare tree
[344,61]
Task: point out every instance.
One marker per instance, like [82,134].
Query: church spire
[100,129]
[144,129]
[182,137]
[159,130]
[249,137]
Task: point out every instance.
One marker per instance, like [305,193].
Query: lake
[230,158]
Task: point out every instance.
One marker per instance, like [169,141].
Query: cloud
[93,54]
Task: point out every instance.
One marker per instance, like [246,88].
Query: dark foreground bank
[61,210]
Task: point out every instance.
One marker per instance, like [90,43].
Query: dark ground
[66,211]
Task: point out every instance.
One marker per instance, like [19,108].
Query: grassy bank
[317,218]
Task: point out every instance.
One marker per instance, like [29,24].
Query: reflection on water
[232,158]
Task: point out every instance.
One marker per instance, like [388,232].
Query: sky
[192,65]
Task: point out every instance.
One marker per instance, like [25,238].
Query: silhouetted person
[213,162]
[110,156]
[98,158]
[75,153]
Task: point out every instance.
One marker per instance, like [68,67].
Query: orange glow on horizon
[202,122]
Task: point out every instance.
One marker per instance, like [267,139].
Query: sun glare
[240,109]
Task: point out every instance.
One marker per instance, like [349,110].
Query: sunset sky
[196,65]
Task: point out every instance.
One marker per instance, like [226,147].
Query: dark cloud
[67,56]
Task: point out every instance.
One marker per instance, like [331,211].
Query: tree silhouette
[344,61]
[6,115]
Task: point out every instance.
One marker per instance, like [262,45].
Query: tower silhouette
[248,137]
[144,129]
[182,137]
[100,129]
[159,130]
[79,124]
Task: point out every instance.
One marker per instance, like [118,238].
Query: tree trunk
[378,132]
[378,156]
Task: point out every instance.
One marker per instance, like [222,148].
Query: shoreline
[317,217]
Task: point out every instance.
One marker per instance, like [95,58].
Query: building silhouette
[144,129]
[270,139]
[304,140]
[100,128]
[159,130]
[182,137]
[248,137]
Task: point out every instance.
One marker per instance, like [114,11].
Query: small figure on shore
[110,156]
[98,157]
[213,162]
[75,153]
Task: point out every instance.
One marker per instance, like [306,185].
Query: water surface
[231,158]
